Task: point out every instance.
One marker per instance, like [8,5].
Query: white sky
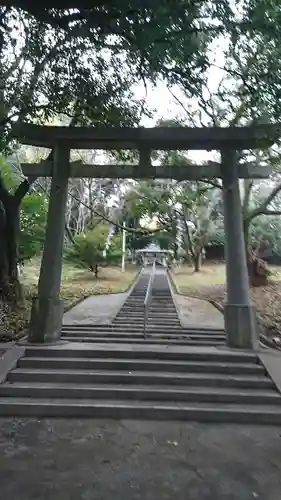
[161,100]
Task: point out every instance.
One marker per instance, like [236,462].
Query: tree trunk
[257,270]
[246,230]
[9,283]
[196,258]
[10,288]
[96,271]
[4,265]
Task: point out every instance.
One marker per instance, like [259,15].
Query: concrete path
[114,460]
[97,309]
[101,309]
[197,313]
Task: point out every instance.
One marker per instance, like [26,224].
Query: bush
[87,250]
[33,216]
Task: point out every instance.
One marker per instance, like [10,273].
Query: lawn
[77,284]
[209,284]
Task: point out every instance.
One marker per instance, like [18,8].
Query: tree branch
[129,230]
[271,212]
[212,183]
[189,238]
[263,207]
[248,185]
[22,190]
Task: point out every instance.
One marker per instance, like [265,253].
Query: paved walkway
[113,460]
[197,313]
[97,309]
[103,308]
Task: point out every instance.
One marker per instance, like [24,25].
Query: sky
[161,100]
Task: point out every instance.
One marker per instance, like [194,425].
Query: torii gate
[47,308]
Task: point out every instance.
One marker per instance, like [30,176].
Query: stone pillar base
[241,326]
[46,320]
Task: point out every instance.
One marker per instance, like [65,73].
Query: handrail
[148,297]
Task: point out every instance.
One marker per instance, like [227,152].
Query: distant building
[153,253]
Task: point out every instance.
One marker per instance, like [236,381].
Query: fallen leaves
[266,299]
[75,288]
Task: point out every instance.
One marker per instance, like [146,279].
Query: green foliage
[33,216]
[139,242]
[85,64]
[163,239]
[217,238]
[33,211]
[10,174]
[87,250]
[266,232]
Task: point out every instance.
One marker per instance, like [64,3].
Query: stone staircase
[118,374]
[153,382]
[163,323]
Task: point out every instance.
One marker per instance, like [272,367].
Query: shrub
[87,250]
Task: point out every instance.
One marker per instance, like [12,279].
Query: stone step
[110,333]
[139,307]
[154,302]
[139,314]
[127,327]
[138,330]
[154,337]
[147,341]
[143,352]
[137,377]
[140,365]
[105,326]
[140,393]
[200,412]
[150,330]
[155,310]
[152,321]
[131,319]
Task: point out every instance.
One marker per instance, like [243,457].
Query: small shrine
[153,253]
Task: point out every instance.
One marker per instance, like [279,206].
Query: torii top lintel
[161,138]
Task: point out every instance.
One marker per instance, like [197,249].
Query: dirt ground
[118,460]
[209,284]
[77,284]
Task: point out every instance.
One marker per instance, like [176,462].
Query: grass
[209,284]
[77,284]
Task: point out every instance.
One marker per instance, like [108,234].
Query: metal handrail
[148,297]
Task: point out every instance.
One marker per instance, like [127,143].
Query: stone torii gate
[47,309]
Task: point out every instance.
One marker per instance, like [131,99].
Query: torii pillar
[239,313]
[47,308]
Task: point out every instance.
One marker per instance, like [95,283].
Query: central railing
[148,298]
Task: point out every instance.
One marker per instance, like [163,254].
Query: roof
[152,248]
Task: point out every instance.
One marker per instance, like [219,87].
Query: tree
[10,200]
[88,249]
[84,66]
[33,217]
[190,204]
[247,94]
[153,38]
